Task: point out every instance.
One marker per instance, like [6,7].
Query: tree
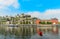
[49,22]
[27,22]
[24,22]
[42,22]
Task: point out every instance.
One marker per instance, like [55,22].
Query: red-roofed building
[51,21]
[54,21]
[38,21]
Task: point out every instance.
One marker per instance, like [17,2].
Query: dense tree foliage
[45,22]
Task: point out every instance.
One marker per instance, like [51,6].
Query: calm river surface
[46,35]
[36,36]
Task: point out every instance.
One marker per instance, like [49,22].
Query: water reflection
[35,36]
[17,33]
[27,33]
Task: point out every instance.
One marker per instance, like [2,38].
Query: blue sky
[36,8]
[39,5]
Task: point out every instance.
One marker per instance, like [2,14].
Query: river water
[46,35]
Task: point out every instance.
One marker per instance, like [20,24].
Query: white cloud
[34,14]
[48,14]
[5,3]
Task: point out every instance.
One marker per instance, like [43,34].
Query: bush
[42,22]
[49,22]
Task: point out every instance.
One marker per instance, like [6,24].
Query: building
[38,21]
[50,21]
[54,21]
[26,19]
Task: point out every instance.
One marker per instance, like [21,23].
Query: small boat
[40,33]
